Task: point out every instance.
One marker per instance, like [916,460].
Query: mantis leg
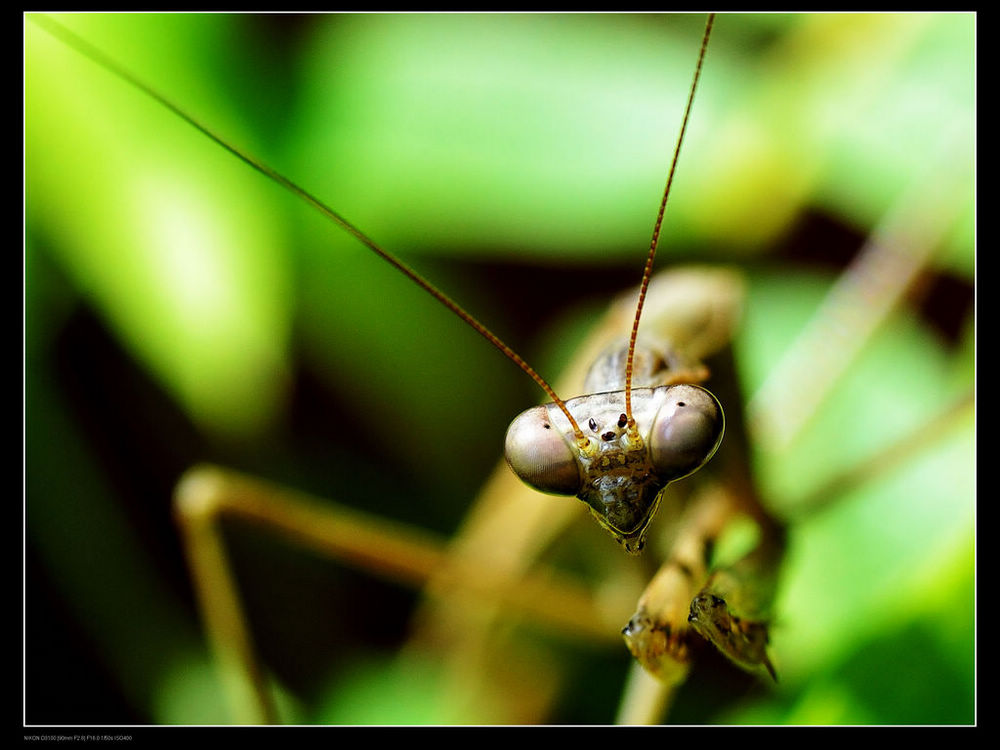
[208,496]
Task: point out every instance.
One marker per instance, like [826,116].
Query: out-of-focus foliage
[180,308]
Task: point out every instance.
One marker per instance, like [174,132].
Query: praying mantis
[432,414]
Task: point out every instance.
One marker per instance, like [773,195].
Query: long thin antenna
[647,272]
[95,55]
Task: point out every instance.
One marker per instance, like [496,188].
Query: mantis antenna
[621,474]
[651,256]
[618,475]
[97,56]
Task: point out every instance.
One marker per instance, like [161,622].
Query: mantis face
[623,471]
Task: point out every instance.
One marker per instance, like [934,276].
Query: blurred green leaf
[158,227]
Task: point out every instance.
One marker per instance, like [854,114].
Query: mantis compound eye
[537,452]
[686,432]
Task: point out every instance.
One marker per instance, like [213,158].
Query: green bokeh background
[180,308]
